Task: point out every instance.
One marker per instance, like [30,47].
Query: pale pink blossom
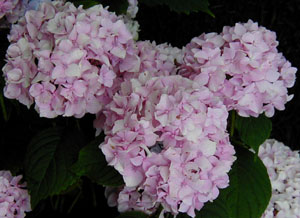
[167,137]
[14,198]
[243,67]
[283,167]
[68,61]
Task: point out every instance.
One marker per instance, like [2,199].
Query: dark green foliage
[248,194]
[118,6]
[133,214]
[180,6]
[47,163]
[91,163]
[253,131]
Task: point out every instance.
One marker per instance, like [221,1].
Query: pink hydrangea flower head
[243,66]
[68,60]
[283,167]
[14,198]
[167,137]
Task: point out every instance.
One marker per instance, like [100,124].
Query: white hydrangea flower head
[283,167]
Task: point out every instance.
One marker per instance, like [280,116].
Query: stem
[77,124]
[61,205]
[239,143]
[93,195]
[156,213]
[56,203]
[74,202]
[232,123]
[4,112]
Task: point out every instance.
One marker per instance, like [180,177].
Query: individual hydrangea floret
[167,137]
[14,198]
[243,66]
[283,167]
[67,60]
[128,18]
[35,4]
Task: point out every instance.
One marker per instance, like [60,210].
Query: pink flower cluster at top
[14,199]
[12,9]
[67,60]
[167,137]
[243,67]
[283,167]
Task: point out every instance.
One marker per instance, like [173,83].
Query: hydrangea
[68,61]
[154,61]
[283,167]
[167,137]
[12,9]
[14,199]
[243,66]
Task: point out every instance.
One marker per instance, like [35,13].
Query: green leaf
[133,214]
[91,163]
[253,131]
[47,163]
[85,3]
[248,194]
[117,6]
[180,6]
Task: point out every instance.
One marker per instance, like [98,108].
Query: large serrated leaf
[253,131]
[179,6]
[91,163]
[47,163]
[248,194]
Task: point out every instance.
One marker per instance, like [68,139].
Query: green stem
[239,143]
[232,123]
[93,195]
[4,112]
[56,203]
[77,124]
[156,213]
[75,201]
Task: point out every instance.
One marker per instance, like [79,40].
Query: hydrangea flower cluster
[67,60]
[167,137]
[14,199]
[283,167]
[243,66]
[12,9]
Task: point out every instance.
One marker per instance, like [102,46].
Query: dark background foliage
[161,25]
